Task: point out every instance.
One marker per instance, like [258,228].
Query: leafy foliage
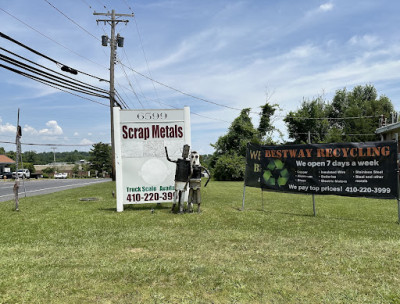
[100,157]
[230,167]
[328,122]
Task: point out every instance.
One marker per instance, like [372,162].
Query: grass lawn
[59,249]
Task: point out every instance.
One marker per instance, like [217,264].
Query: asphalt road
[43,186]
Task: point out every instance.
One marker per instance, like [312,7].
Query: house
[5,161]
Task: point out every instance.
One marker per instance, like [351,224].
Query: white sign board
[143,173]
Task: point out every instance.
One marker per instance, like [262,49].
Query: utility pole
[54,153]
[114,42]
[18,146]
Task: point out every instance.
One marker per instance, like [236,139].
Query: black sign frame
[367,169]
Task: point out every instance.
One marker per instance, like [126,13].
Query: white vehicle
[22,173]
[60,175]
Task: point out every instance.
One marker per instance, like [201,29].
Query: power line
[60,83]
[2,35]
[130,84]
[62,145]
[183,93]
[47,83]
[328,118]
[64,76]
[144,54]
[82,87]
[51,39]
[70,19]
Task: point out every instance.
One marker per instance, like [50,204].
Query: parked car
[60,175]
[22,173]
[6,175]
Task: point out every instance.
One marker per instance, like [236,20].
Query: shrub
[230,167]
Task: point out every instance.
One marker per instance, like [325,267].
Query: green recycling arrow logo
[281,175]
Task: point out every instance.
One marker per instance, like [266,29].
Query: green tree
[100,157]
[233,146]
[30,157]
[266,128]
[351,116]
[230,167]
[310,117]
[2,151]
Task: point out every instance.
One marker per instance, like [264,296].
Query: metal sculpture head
[185,152]
[194,158]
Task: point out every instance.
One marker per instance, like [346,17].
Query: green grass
[59,249]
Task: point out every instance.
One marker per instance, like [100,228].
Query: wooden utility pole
[113,46]
[16,184]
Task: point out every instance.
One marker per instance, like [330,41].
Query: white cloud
[326,7]
[29,130]
[86,141]
[367,41]
[52,129]
[7,128]
[90,134]
[76,134]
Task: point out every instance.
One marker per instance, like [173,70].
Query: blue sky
[233,53]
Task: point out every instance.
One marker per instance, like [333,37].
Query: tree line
[99,158]
[351,116]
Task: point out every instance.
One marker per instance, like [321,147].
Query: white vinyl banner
[143,173]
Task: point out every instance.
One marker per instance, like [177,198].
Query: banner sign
[144,175]
[348,169]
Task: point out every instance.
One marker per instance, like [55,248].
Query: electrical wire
[183,93]
[52,39]
[47,83]
[61,145]
[2,35]
[78,25]
[73,79]
[144,54]
[72,84]
[61,83]
[130,84]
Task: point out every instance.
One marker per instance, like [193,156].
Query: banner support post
[262,199]
[313,195]
[245,175]
[244,195]
[397,174]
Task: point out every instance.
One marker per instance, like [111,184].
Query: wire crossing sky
[216,56]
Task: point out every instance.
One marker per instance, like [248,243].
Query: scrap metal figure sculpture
[182,175]
[195,181]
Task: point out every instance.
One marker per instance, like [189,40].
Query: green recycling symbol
[276,173]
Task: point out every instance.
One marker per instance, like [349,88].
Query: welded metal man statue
[195,181]
[182,176]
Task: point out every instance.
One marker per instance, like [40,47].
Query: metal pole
[112,91]
[313,196]
[113,47]
[16,184]
[397,174]
[262,199]
[244,195]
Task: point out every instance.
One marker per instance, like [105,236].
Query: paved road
[43,186]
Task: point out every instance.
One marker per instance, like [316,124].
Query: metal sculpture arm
[209,176]
[166,153]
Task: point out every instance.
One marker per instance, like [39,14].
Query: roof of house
[4,160]
[388,128]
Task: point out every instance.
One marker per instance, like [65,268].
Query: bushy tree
[100,157]
[308,118]
[351,116]
[229,167]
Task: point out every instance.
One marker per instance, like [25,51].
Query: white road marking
[59,187]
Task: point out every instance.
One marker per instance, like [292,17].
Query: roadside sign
[143,173]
